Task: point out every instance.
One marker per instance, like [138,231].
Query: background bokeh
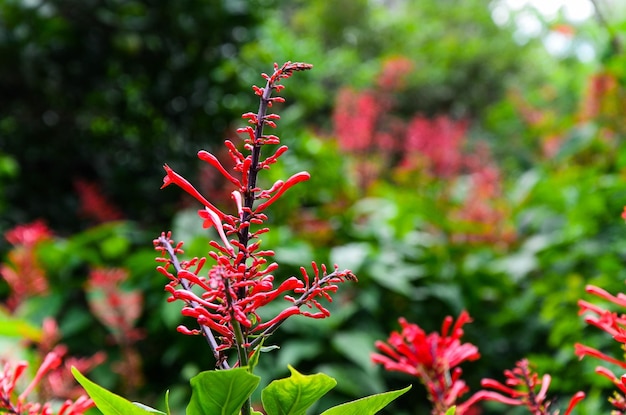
[464,155]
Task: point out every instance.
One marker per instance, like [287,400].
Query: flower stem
[208,335]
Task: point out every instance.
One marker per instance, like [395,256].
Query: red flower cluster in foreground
[434,358]
[10,375]
[225,299]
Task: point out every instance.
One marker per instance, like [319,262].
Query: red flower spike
[225,299]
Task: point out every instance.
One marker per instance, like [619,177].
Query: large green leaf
[108,402]
[366,406]
[221,392]
[293,395]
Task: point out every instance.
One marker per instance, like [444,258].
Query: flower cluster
[225,299]
[94,205]
[614,324]
[524,387]
[118,310]
[59,383]
[10,374]
[423,149]
[23,272]
[434,358]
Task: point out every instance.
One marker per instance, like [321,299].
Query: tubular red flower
[283,315]
[494,396]
[582,350]
[578,396]
[214,220]
[212,160]
[174,178]
[293,180]
[619,300]
[51,361]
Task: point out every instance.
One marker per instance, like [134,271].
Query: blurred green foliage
[108,91]
[111,90]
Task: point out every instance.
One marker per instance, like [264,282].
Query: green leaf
[108,402]
[147,408]
[368,405]
[221,392]
[254,359]
[295,394]
[451,411]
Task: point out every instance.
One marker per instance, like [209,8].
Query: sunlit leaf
[368,405]
[295,394]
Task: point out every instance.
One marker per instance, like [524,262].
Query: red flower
[355,118]
[117,309]
[10,373]
[225,298]
[523,387]
[94,204]
[438,141]
[394,73]
[28,234]
[434,358]
[615,325]
[23,272]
